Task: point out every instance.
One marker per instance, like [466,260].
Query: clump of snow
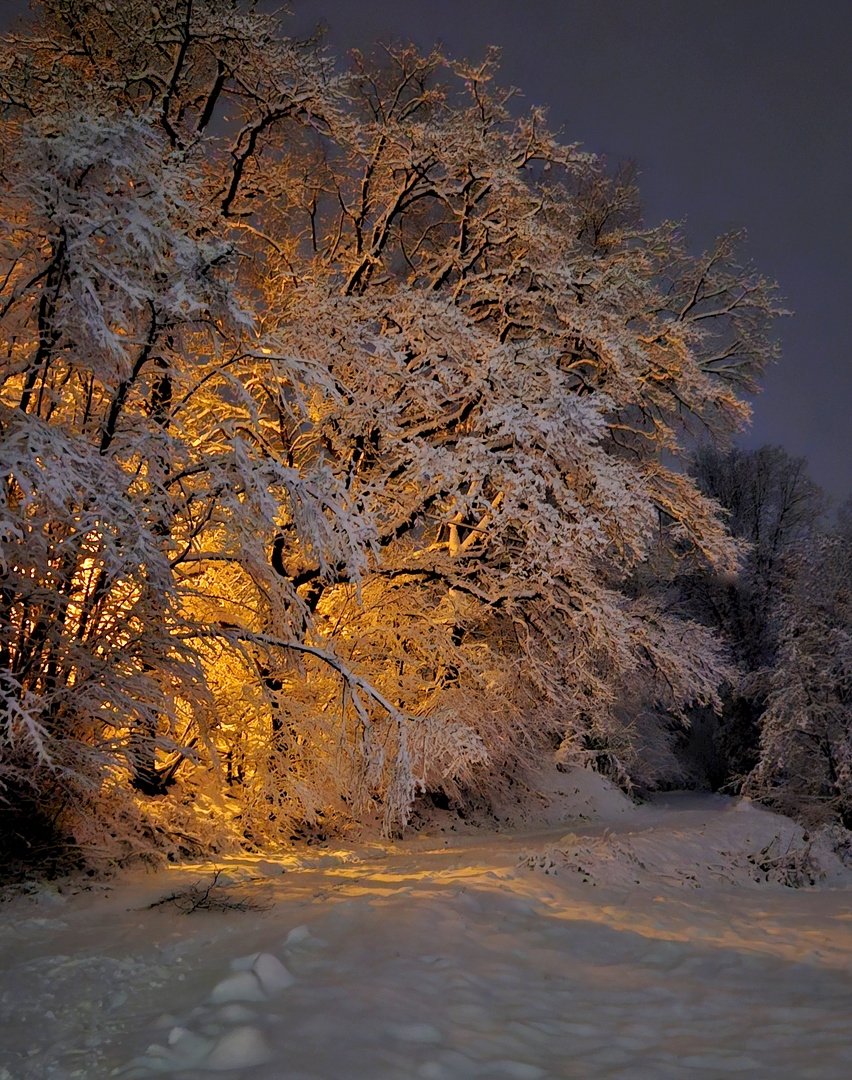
[243,963]
[236,1013]
[186,1050]
[242,986]
[272,974]
[299,935]
[300,939]
[239,1048]
[255,978]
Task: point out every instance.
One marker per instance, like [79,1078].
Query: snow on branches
[337,409]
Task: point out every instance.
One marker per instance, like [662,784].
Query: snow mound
[242,986]
[552,795]
[564,794]
[733,843]
[272,974]
[581,793]
[299,935]
[239,1048]
[256,977]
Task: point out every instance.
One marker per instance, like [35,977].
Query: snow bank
[574,794]
[694,842]
[553,795]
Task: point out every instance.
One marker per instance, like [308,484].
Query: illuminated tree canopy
[340,407]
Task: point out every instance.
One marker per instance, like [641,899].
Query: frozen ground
[607,941]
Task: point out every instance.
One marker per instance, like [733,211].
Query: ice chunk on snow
[415,1033]
[144,1066]
[300,937]
[188,1050]
[164,1020]
[273,976]
[239,1048]
[297,936]
[242,986]
[235,1013]
[254,977]
[244,963]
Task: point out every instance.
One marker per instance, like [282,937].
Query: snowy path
[432,960]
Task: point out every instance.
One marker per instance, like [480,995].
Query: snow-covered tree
[336,409]
[805,766]
[774,506]
[135,380]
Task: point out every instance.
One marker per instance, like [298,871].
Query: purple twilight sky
[738,114]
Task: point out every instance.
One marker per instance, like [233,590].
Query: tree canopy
[340,404]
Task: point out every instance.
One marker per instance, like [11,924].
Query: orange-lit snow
[639,946]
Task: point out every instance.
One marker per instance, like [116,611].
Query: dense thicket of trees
[340,409]
[782,733]
[805,762]
[774,506]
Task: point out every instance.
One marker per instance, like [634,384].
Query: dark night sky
[738,113]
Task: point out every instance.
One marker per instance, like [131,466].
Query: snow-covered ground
[602,940]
